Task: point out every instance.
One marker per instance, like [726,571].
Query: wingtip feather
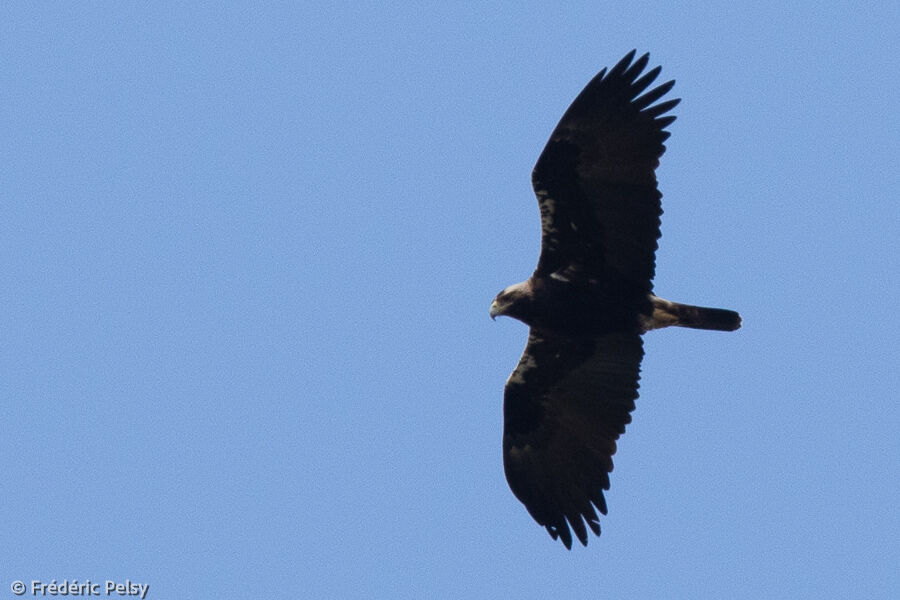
[578,526]
[635,69]
[653,95]
[662,108]
[622,65]
[641,84]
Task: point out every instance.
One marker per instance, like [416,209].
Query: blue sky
[247,257]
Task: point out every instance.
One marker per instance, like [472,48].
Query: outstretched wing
[564,407]
[595,179]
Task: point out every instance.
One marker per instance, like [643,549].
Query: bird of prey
[590,299]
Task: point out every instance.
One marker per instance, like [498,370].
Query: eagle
[590,299]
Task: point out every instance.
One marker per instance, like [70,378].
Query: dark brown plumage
[590,299]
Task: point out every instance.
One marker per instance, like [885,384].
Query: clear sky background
[246,258]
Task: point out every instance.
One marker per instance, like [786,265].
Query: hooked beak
[495,310]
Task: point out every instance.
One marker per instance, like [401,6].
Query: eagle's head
[513,301]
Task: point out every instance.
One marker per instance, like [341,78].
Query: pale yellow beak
[495,309]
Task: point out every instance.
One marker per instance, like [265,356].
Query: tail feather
[666,314]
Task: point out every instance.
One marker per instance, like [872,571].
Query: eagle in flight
[590,299]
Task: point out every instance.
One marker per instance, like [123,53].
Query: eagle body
[590,299]
[576,305]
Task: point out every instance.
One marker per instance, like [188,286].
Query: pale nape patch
[548,208]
